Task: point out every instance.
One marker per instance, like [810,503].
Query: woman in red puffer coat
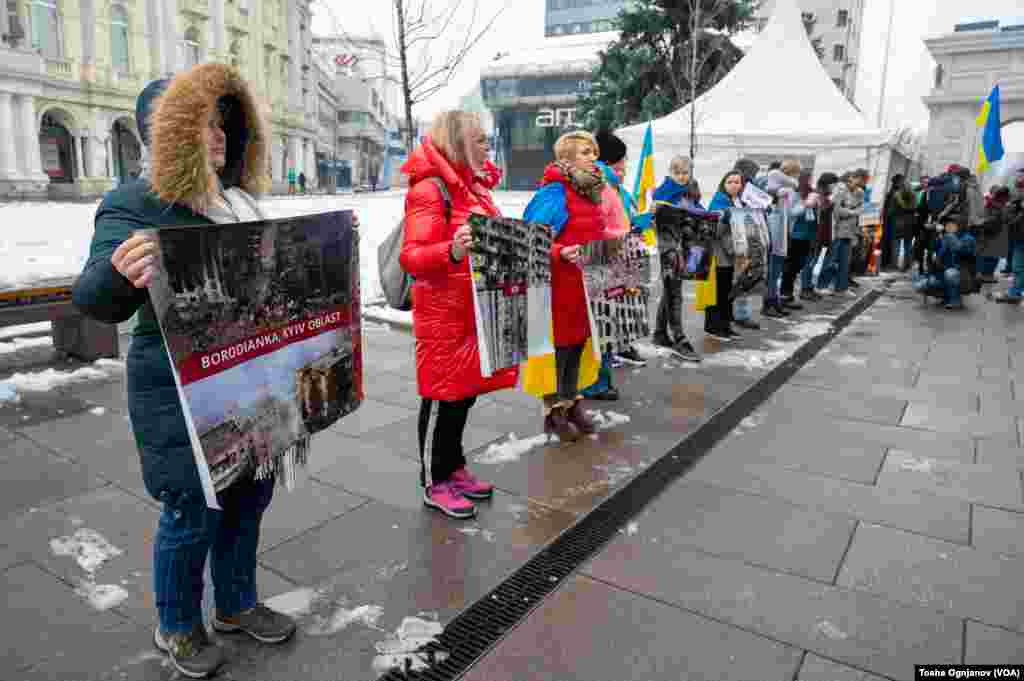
[435,254]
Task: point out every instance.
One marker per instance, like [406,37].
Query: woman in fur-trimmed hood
[207,145]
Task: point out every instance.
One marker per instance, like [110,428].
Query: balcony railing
[58,68]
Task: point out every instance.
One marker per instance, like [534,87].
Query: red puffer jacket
[568,299]
[447,355]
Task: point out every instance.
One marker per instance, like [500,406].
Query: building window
[47,29]
[842,18]
[838,53]
[939,74]
[192,47]
[119,39]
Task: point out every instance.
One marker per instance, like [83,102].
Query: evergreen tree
[646,72]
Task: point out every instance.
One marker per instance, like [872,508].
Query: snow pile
[48,240]
[767,359]
[332,623]
[850,360]
[20,330]
[608,420]
[511,450]
[16,344]
[404,648]
[91,550]
[52,379]
[302,602]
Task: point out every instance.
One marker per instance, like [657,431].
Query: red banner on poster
[203,365]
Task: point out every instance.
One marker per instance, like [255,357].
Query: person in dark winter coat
[435,252]
[900,218]
[804,231]
[674,192]
[895,185]
[570,201]
[993,238]
[208,149]
[718,318]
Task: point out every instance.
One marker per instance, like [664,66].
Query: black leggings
[718,317]
[567,368]
[441,427]
[796,257]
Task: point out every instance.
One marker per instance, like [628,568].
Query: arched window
[119,39]
[192,47]
[47,29]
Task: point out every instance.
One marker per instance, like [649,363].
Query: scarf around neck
[586,183]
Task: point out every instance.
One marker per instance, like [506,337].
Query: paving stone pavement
[866,517]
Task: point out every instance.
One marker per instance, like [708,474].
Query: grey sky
[910,66]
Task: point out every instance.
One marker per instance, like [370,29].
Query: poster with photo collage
[617,275]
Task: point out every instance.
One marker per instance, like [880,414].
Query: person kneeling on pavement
[209,150]
[949,276]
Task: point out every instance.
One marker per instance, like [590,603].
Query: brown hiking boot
[557,423]
[577,415]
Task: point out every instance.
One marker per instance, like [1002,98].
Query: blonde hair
[569,144]
[448,133]
[679,165]
[791,167]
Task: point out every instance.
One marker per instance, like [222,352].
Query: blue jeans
[908,254]
[837,266]
[987,265]
[1017,253]
[949,283]
[776,266]
[807,272]
[187,532]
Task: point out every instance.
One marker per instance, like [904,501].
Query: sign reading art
[261,322]
[556,118]
[510,262]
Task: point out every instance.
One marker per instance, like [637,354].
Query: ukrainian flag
[991,147]
[645,182]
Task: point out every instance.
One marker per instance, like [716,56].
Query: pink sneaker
[471,486]
[447,498]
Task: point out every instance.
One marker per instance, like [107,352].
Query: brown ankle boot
[578,417]
[557,423]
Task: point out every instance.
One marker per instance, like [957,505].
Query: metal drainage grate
[478,628]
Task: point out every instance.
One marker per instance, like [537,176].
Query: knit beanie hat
[611,148]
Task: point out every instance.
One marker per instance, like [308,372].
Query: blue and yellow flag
[645,182]
[991,147]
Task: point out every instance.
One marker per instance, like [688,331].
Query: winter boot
[578,417]
[194,655]
[557,422]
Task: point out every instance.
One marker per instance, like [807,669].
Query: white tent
[778,102]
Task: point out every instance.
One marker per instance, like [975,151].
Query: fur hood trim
[180,172]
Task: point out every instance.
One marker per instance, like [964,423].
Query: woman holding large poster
[437,241]
[208,151]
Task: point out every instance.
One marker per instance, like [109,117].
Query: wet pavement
[866,517]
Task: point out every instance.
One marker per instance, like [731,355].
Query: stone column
[154,37]
[172,35]
[30,154]
[88,19]
[295,48]
[8,150]
[217,29]
[79,156]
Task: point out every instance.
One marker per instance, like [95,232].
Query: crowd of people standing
[208,146]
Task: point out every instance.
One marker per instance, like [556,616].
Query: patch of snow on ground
[918,465]
[850,360]
[615,473]
[98,411]
[51,379]
[293,603]
[608,420]
[102,596]
[406,643]
[88,547]
[25,330]
[832,631]
[510,450]
[327,625]
[632,528]
[7,347]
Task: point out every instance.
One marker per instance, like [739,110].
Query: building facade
[573,17]
[532,96]
[969,63]
[835,28]
[370,114]
[70,71]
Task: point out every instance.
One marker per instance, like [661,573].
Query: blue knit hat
[144,106]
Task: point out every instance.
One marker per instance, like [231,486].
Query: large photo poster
[617,276]
[510,262]
[261,322]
